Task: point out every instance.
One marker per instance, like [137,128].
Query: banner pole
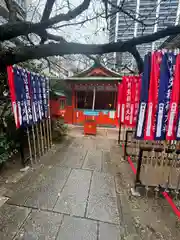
[42,142]
[37,134]
[34,143]
[29,144]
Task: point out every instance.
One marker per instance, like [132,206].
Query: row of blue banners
[29,96]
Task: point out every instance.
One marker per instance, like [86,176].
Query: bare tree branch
[47,10]
[65,48]
[138,58]
[12,30]
[68,3]
[95,59]
[12,12]
[55,37]
[71,14]
[130,70]
[80,22]
[121,9]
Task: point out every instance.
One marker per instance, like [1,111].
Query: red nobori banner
[153,96]
[136,87]
[128,100]
[13,95]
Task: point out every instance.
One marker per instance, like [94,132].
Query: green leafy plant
[9,142]
[7,148]
[59,129]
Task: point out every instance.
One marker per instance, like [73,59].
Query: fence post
[137,180]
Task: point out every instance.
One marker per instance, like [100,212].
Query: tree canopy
[55,44]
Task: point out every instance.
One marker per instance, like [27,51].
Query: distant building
[155,14]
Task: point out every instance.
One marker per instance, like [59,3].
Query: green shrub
[59,129]
[9,142]
[7,148]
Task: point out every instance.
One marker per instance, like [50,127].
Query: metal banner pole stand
[29,144]
[34,143]
[37,134]
[42,141]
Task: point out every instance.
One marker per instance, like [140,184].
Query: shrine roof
[96,72]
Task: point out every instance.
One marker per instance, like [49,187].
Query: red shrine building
[92,94]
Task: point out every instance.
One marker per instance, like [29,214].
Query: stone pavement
[81,192]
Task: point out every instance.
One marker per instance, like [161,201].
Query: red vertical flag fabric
[13,95]
[127,99]
[136,98]
[123,100]
[149,133]
[175,99]
[133,93]
[119,100]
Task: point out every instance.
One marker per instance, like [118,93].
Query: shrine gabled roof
[97,70]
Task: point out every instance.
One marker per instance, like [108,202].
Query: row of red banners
[151,103]
[128,100]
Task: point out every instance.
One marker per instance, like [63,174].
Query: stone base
[135,193]
[24,169]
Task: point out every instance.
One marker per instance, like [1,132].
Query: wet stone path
[82,192]
[72,195]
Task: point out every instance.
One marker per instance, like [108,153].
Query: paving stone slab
[103,209]
[77,229]
[106,161]
[93,160]
[49,189]
[75,193]
[23,182]
[109,231]
[26,188]
[103,144]
[73,158]
[102,185]
[40,226]
[11,218]
[102,204]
